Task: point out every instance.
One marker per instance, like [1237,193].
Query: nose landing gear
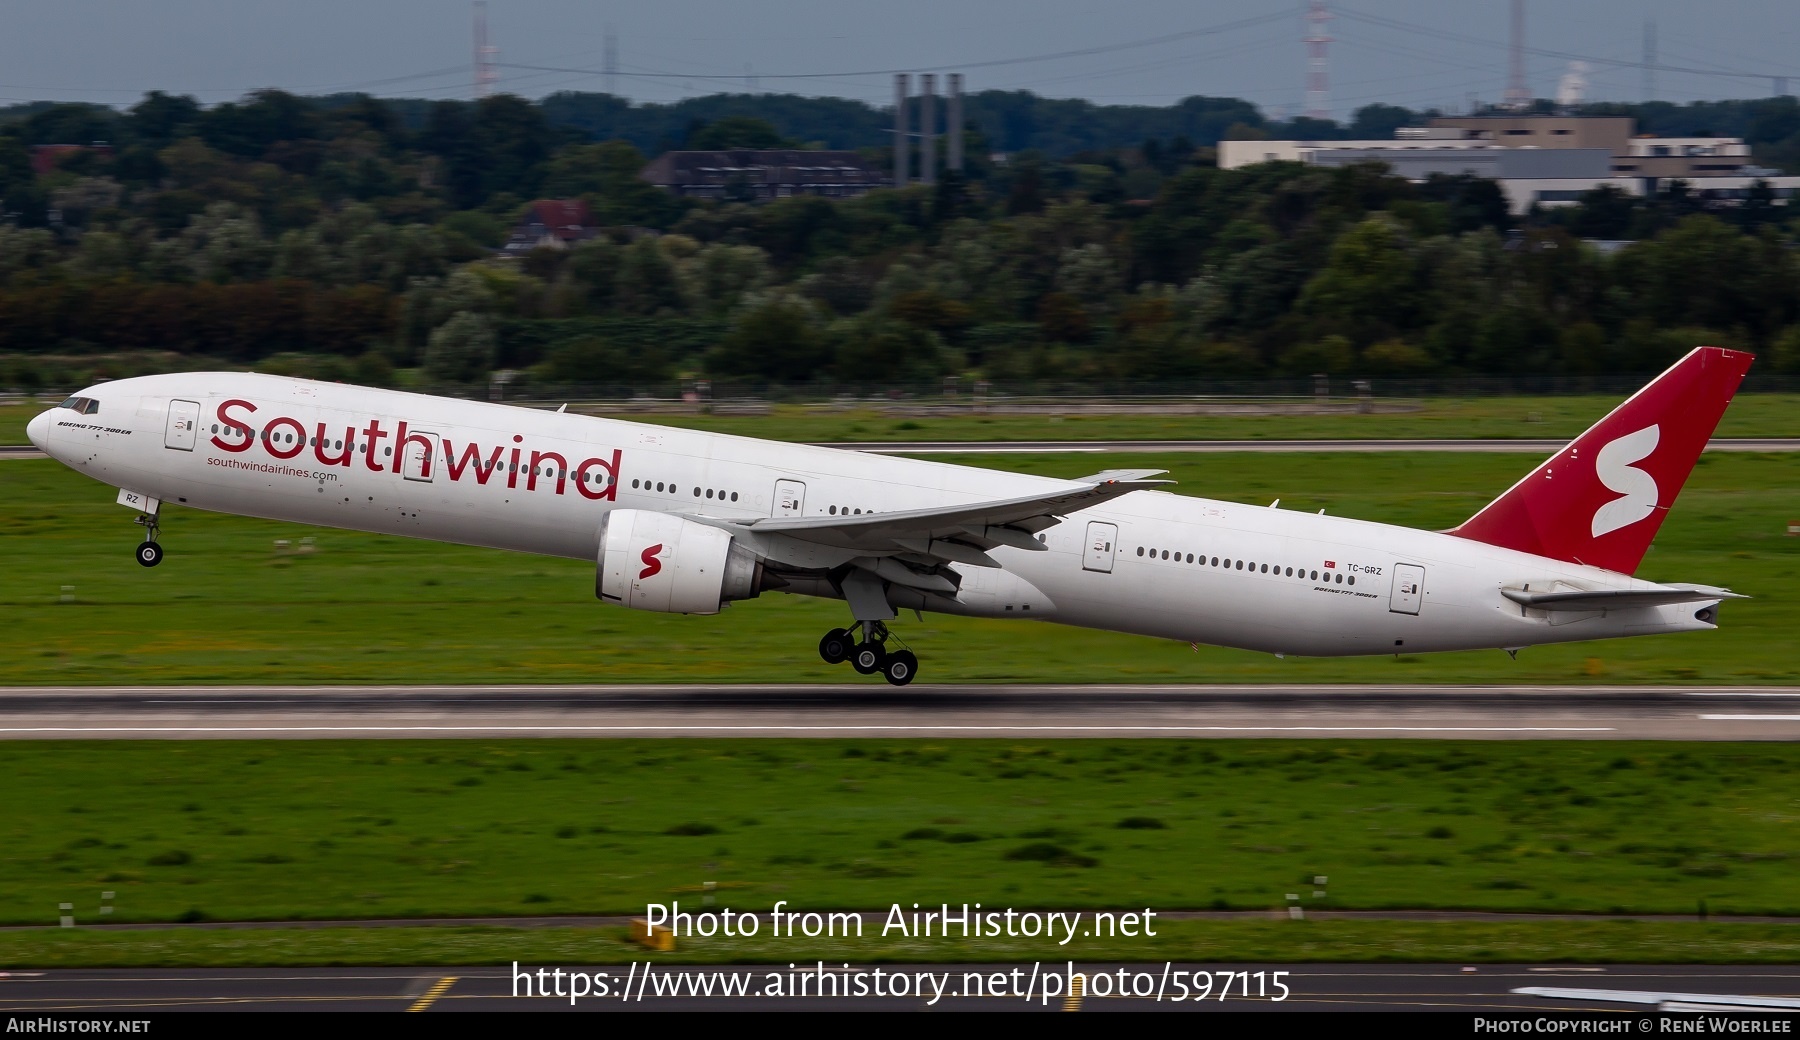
[869,654]
[148,552]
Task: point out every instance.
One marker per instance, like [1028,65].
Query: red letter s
[228,422]
[652,565]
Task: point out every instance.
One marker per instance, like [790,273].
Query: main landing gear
[149,553]
[869,654]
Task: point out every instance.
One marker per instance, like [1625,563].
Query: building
[551,224]
[759,175]
[1657,158]
[1539,160]
[44,157]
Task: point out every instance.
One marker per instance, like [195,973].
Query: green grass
[280,830]
[225,606]
[1751,415]
[1277,942]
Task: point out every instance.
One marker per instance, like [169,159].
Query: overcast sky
[1430,52]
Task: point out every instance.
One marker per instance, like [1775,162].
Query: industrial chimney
[928,128]
[953,119]
[902,87]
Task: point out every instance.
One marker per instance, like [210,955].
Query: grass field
[1278,942]
[226,606]
[280,830]
[1751,415]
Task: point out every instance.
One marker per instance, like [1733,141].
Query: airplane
[688,522]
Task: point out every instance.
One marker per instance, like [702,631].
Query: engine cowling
[656,561]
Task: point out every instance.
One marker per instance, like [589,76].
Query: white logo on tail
[1616,469]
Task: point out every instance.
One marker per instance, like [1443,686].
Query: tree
[737,132]
[607,176]
[1380,121]
[775,338]
[461,350]
[1369,285]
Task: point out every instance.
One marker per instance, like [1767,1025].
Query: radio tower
[610,62]
[485,73]
[1518,95]
[1318,88]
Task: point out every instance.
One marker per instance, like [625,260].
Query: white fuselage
[1284,581]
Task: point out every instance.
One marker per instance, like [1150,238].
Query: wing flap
[1617,599]
[946,530]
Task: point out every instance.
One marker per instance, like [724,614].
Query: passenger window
[1190,557]
[734,496]
[1140,550]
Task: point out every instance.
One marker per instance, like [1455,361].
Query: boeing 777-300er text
[685,522]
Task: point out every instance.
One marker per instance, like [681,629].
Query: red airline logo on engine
[652,565]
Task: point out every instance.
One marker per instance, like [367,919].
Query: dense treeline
[354,238]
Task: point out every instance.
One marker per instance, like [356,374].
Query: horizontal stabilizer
[1618,599]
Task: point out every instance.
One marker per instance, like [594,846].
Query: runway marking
[1713,693]
[431,995]
[829,728]
[1751,718]
[1077,987]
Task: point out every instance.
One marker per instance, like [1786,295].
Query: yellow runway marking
[431,995]
[1072,1002]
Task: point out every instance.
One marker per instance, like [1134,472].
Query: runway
[1310,987]
[1523,447]
[871,710]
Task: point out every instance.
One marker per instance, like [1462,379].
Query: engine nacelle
[656,561]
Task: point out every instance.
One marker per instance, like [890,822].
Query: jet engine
[657,561]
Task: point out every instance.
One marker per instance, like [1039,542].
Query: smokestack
[1518,93]
[953,119]
[928,128]
[902,86]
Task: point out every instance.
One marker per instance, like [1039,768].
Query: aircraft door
[417,455]
[1409,589]
[790,498]
[184,425]
[1102,545]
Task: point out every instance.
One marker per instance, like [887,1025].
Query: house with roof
[551,224]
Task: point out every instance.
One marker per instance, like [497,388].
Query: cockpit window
[84,405]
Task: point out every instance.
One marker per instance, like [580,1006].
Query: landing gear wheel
[149,554]
[900,667]
[868,658]
[835,647]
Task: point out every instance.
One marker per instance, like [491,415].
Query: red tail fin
[1600,500]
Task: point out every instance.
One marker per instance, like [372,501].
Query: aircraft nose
[38,430]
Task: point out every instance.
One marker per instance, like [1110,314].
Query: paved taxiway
[875,710]
[1313,987]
